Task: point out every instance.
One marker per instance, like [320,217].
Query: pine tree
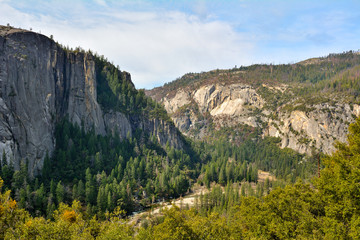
[110,202]
[243,192]
[22,198]
[222,176]
[7,171]
[101,200]
[267,186]
[40,199]
[75,192]
[90,194]
[50,208]
[52,187]
[20,176]
[81,191]
[98,162]
[60,193]
[207,179]
[46,170]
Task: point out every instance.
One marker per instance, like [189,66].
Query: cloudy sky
[159,41]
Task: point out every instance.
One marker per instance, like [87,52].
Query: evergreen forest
[325,208]
[92,184]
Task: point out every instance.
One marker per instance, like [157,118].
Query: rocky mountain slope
[41,82]
[309,105]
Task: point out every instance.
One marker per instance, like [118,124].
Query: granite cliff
[300,103]
[41,82]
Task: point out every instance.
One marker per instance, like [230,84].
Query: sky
[159,41]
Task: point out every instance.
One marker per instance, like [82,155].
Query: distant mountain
[309,105]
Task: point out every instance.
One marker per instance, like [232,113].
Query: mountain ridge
[308,104]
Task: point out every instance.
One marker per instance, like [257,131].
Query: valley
[189,200]
[87,155]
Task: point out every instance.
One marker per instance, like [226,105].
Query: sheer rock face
[41,83]
[233,104]
[29,72]
[226,100]
[319,128]
[117,123]
[227,105]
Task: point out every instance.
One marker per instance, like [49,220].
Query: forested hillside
[326,209]
[333,72]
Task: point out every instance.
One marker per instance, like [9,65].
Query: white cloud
[157,43]
[101,2]
[200,9]
[155,47]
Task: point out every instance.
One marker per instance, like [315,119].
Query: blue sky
[159,41]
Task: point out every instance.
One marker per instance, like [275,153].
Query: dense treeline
[105,172]
[346,82]
[329,209]
[101,172]
[240,159]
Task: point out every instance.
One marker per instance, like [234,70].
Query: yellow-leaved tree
[11,218]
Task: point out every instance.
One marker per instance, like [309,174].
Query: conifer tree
[81,191]
[60,193]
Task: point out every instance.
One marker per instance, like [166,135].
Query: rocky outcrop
[118,123]
[227,99]
[164,131]
[227,105]
[82,105]
[28,95]
[173,104]
[40,82]
[317,128]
